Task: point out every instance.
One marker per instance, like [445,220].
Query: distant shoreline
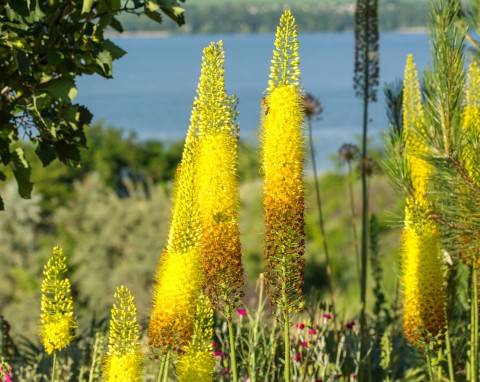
[165,34]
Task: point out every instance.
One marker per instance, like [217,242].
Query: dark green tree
[44,46]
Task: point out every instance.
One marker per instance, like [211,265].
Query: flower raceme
[179,277]
[422,273]
[197,362]
[282,156]
[217,183]
[123,361]
[57,322]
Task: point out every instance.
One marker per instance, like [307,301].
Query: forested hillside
[216,16]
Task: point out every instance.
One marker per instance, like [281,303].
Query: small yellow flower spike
[413,124]
[422,276]
[57,322]
[471,120]
[216,183]
[282,159]
[196,364]
[285,63]
[124,359]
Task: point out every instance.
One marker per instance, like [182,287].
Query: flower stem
[54,365]
[321,223]
[451,374]
[160,369]
[165,371]
[474,325]
[286,332]
[233,357]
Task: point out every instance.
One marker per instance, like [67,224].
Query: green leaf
[45,152]
[115,51]
[155,16]
[68,153]
[87,6]
[115,24]
[104,59]
[151,6]
[62,89]
[22,61]
[175,13]
[22,171]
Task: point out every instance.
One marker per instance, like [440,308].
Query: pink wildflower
[312,331]
[298,357]
[225,372]
[350,325]
[300,325]
[354,376]
[327,316]
[219,353]
[304,344]
[242,312]
[214,344]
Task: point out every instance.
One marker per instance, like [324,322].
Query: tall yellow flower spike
[413,125]
[57,322]
[124,359]
[422,274]
[282,156]
[179,277]
[216,183]
[196,364]
[471,120]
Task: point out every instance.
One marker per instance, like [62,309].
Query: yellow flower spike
[422,276]
[413,124]
[196,364]
[179,276]
[216,183]
[471,118]
[422,273]
[285,63]
[282,156]
[57,322]
[124,360]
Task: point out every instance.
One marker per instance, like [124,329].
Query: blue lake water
[154,84]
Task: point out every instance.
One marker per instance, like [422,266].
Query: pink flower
[319,380]
[226,372]
[298,357]
[214,344]
[300,326]
[338,376]
[312,331]
[327,316]
[304,344]
[219,353]
[354,376]
[350,325]
[242,312]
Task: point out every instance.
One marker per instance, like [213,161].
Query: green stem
[451,374]
[474,325]
[321,223]
[286,334]
[165,371]
[160,369]
[354,217]
[429,367]
[54,367]
[233,357]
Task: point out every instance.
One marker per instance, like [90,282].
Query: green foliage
[44,46]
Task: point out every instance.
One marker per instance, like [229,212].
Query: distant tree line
[244,18]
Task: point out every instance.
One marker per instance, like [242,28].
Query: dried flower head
[312,106]
[57,322]
[348,152]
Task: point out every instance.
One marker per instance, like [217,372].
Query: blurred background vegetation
[111,217]
[261,16]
